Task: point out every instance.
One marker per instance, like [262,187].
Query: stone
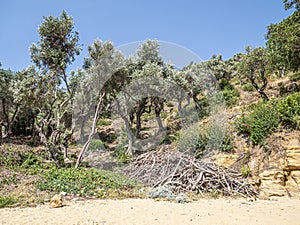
[293,183]
[56,201]
[272,183]
[226,160]
[293,155]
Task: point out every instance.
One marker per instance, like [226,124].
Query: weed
[245,171]
[6,201]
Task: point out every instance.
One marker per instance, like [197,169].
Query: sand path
[149,212]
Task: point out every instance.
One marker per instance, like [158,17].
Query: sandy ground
[145,211]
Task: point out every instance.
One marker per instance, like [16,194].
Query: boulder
[293,184]
[226,160]
[293,156]
[272,183]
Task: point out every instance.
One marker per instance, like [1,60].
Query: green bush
[11,156]
[259,123]
[289,109]
[97,144]
[225,85]
[264,118]
[84,182]
[230,96]
[197,139]
[188,139]
[230,93]
[248,87]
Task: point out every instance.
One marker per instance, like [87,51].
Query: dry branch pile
[168,167]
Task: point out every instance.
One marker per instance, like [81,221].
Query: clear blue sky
[205,27]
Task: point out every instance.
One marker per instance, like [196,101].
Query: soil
[146,211]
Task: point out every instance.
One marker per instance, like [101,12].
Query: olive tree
[56,49]
[255,67]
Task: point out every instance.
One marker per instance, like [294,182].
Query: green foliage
[103,122]
[97,144]
[84,182]
[265,117]
[230,93]
[6,201]
[259,123]
[289,110]
[58,45]
[224,84]
[245,171]
[10,156]
[198,140]
[248,87]
[288,4]
[120,150]
[230,96]
[283,40]
[295,77]
[188,139]
[10,179]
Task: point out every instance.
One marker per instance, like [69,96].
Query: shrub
[248,87]
[97,144]
[230,96]
[266,117]
[289,109]
[261,122]
[198,140]
[230,93]
[225,85]
[188,139]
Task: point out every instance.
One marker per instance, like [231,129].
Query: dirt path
[149,212]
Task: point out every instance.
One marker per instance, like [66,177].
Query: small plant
[6,201]
[120,150]
[120,154]
[97,144]
[8,180]
[248,87]
[245,171]
[104,122]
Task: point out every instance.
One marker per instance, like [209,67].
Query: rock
[272,183]
[56,201]
[226,160]
[293,184]
[293,155]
